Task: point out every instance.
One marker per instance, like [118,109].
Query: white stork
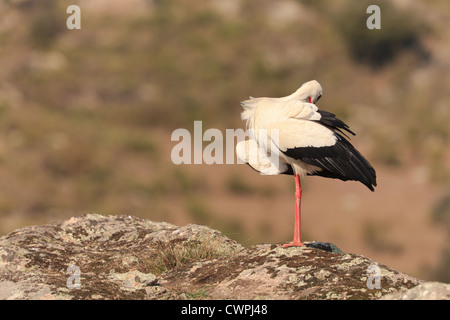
[303,140]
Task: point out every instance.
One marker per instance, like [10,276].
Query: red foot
[293,244]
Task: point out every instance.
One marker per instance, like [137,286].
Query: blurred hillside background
[86,117]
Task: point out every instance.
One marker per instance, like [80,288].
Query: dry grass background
[86,117]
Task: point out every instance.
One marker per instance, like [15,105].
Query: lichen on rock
[125,257]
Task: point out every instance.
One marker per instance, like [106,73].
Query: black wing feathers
[330,121]
[340,161]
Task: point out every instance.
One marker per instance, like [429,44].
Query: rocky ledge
[124,257]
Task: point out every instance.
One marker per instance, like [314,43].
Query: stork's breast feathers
[249,152]
[294,133]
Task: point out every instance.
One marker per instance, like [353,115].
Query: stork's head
[310,91]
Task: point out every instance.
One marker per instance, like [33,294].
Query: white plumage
[290,135]
[290,117]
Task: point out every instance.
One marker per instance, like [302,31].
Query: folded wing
[322,143]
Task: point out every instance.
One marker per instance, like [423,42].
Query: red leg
[297,242]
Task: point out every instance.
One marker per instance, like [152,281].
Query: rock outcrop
[125,257]
[424,291]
